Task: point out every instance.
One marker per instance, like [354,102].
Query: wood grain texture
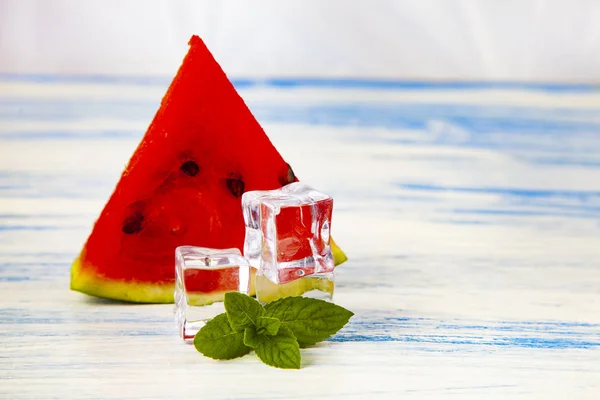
[470,213]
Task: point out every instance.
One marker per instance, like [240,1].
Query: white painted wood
[471,218]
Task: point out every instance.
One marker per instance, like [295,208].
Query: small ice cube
[287,232]
[203,276]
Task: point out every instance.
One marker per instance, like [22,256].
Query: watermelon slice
[182,186]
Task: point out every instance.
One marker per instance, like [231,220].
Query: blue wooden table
[470,213]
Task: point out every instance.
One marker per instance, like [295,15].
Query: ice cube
[287,234]
[203,276]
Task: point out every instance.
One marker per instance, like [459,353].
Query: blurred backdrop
[511,40]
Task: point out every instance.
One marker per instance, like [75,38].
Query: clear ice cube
[287,238]
[203,276]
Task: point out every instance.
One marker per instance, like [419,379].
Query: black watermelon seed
[235,186]
[133,223]
[289,176]
[190,168]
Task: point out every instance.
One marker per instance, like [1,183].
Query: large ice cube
[203,276]
[287,232]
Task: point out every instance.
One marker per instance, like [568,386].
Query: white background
[542,40]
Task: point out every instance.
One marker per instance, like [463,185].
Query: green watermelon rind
[86,279]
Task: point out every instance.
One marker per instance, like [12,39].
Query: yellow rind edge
[89,282]
[93,284]
[272,291]
[339,257]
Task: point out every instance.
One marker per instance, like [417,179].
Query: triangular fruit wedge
[183,186]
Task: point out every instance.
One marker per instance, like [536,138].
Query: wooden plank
[471,216]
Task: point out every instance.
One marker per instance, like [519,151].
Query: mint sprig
[217,340]
[242,311]
[268,326]
[311,321]
[281,350]
[275,332]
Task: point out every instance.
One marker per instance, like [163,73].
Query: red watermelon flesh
[203,281]
[182,186]
[300,236]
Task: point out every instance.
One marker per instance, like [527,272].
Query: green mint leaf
[267,326]
[311,320]
[281,350]
[251,337]
[217,340]
[242,311]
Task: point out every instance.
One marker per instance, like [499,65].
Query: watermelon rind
[87,280]
[339,257]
